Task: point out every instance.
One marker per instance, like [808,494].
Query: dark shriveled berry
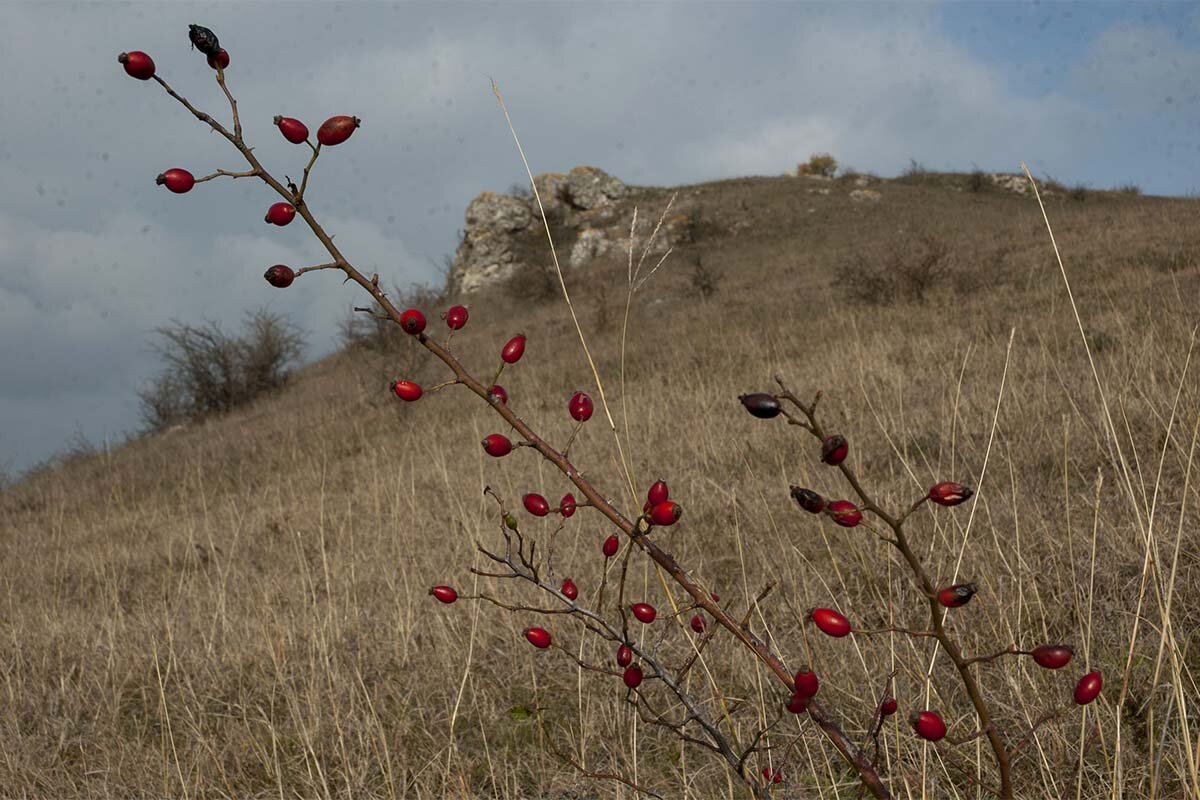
[204,40]
[761,405]
[809,500]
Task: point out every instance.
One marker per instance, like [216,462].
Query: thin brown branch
[936,611]
[237,123]
[224,173]
[667,562]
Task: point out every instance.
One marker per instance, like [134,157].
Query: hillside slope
[239,608]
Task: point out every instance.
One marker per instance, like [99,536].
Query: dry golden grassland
[239,608]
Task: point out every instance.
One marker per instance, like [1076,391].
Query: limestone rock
[865,195]
[552,187]
[497,213]
[590,187]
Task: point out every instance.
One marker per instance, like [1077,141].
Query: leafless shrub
[906,269]
[210,372]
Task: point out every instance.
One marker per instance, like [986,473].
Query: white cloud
[93,256]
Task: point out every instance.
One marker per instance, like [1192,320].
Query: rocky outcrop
[504,234]
[497,213]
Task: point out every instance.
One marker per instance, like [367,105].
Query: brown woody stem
[823,718]
[936,611]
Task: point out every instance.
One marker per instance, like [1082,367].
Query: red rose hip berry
[798,703]
[697,623]
[580,407]
[567,505]
[632,676]
[281,214]
[407,391]
[658,493]
[220,60]
[413,321]
[499,393]
[611,545]
[1088,688]
[807,683]
[137,65]
[761,405]
[569,589]
[1052,656]
[513,349]
[957,595]
[538,637]
[666,513]
[280,276]
[644,612]
[292,129]
[177,180]
[834,450]
[336,130]
[445,594]
[949,493]
[624,655]
[536,504]
[456,317]
[496,445]
[830,622]
[845,513]
[928,725]
[888,707]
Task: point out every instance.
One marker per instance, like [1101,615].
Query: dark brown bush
[210,372]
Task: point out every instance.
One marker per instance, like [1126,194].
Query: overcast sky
[94,256]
